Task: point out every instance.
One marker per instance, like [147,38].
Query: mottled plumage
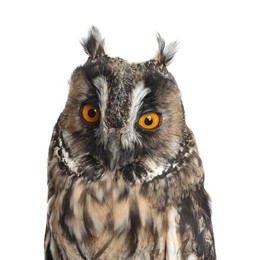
[125,178]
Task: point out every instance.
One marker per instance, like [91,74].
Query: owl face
[120,117]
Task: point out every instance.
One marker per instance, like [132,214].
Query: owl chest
[110,222]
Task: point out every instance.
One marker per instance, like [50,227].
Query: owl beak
[113,146]
[114,160]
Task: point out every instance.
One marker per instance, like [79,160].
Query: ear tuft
[94,44]
[165,53]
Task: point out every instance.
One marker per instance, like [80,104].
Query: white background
[217,68]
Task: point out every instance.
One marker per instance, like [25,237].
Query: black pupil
[92,113]
[148,120]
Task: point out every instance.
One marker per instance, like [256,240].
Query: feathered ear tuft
[94,44]
[165,53]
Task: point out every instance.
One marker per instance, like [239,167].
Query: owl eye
[90,113]
[149,120]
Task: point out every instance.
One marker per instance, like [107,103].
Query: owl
[125,180]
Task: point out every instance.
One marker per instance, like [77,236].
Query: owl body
[125,179]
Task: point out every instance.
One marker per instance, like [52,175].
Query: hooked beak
[114,160]
[113,152]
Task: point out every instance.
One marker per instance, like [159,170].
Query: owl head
[120,117]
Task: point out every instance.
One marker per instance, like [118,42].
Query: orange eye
[90,113]
[149,121]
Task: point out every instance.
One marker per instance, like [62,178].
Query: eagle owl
[125,180]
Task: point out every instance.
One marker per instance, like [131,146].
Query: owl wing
[47,241]
[194,228]
[51,249]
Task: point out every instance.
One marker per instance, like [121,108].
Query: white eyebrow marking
[102,85]
[138,94]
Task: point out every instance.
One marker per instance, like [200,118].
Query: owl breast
[108,220]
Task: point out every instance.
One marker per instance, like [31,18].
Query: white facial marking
[65,155]
[138,94]
[155,169]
